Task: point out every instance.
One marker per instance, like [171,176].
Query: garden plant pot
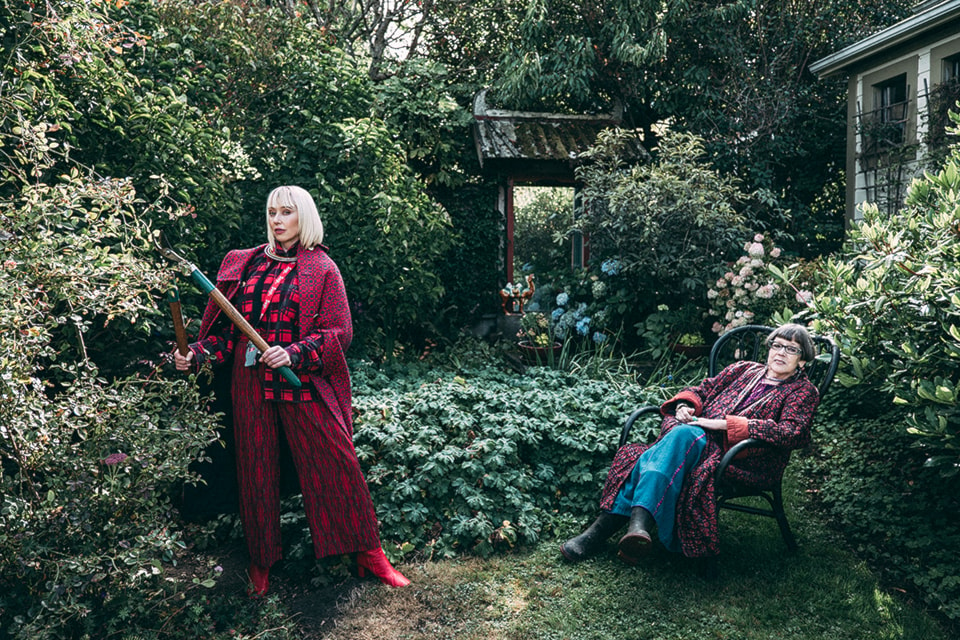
[535,355]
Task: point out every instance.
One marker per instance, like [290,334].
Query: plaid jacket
[309,316]
[783,420]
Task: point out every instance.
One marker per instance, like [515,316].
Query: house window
[890,102]
[951,69]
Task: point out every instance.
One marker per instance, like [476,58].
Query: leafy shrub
[89,458]
[92,439]
[415,101]
[670,223]
[480,457]
[889,505]
[892,298]
[389,235]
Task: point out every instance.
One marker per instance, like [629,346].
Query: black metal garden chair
[748,343]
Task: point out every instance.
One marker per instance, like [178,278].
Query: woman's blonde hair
[311,227]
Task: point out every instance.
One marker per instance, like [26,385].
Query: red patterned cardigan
[323,309]
[784,420]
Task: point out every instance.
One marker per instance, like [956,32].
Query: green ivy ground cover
[478,458]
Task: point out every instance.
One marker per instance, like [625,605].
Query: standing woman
[291,292]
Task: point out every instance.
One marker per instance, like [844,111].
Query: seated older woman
[670,484]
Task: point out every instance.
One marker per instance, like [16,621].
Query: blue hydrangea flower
[562,298]
[611,267]
[556,314]
[583,326]
[599,337]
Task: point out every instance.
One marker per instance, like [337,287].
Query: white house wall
[922,81]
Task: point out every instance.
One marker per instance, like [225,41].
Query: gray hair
[795,333]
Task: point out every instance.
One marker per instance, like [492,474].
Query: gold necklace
[272,255]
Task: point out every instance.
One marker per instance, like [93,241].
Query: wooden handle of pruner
[173,297]
[236,318]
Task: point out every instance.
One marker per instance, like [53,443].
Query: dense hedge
[891,298]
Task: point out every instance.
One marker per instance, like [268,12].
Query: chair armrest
[735,450]
[632,418]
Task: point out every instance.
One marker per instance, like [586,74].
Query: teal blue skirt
[657,478]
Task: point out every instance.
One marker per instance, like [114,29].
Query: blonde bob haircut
[299,199]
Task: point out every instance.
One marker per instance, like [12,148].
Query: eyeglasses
[786,348]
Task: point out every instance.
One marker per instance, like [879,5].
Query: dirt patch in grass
[450,599]
[445,600]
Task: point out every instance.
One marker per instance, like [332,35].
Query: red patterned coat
[323,310]
[784,420]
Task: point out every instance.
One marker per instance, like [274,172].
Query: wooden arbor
[536,149]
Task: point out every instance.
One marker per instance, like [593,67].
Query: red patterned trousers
[335,495]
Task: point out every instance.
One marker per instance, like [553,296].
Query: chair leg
[781,516]
[708,568]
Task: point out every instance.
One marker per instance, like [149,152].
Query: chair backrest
[749,343]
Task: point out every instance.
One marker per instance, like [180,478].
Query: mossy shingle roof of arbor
[537,143]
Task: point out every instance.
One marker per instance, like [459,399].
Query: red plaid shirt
[275,319]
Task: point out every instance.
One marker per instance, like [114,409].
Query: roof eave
[903,31]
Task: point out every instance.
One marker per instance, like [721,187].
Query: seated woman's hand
[685,414]
[711,424]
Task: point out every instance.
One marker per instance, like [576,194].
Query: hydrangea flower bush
[747,292]
[587,309]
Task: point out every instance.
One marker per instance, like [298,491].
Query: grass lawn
[762,592]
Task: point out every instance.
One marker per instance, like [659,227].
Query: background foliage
[734,73]
[120,118]
[672,223]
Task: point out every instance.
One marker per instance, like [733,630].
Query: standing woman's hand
[182,362]
[276,356]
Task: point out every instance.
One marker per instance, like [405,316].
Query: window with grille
[890,103]
[951,69]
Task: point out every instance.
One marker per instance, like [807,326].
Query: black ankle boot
[636,541]
[589,542]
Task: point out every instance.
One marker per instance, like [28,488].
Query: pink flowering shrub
[747,292]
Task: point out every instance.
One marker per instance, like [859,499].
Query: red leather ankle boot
[259,580]
[376,563]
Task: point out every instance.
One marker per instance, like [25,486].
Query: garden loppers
[221,301]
